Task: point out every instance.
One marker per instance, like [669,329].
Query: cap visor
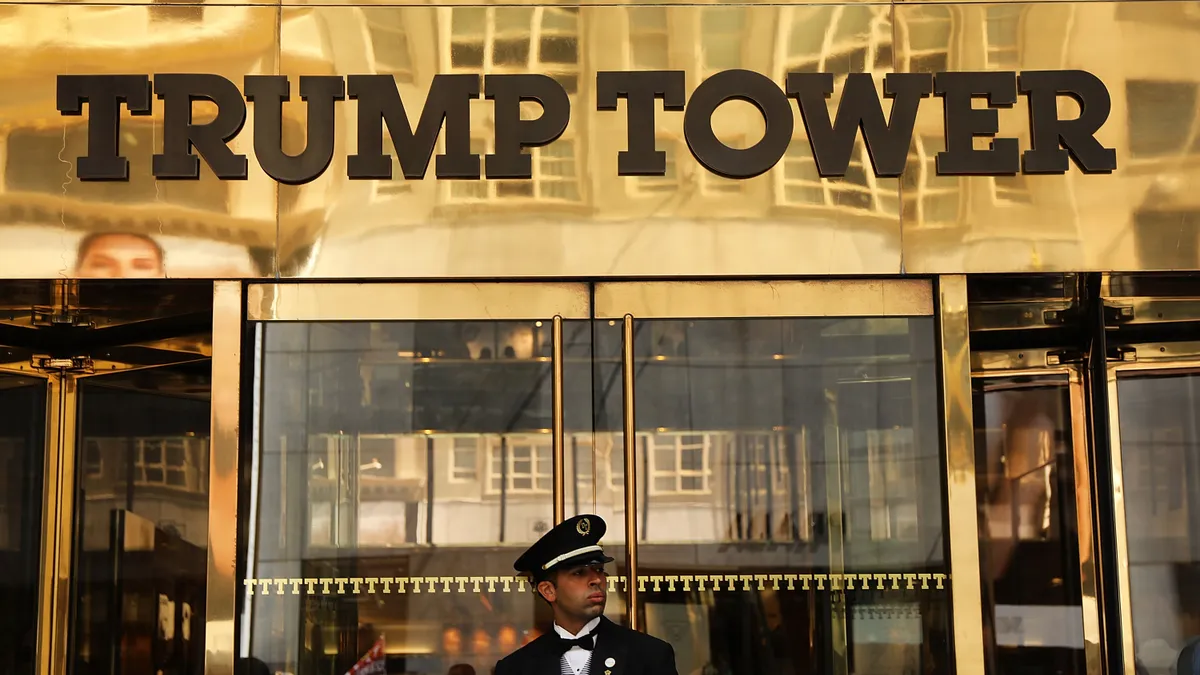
[584,559]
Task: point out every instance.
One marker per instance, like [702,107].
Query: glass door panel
[400,466]
[1157,437]
[22,454]
[789,478]
[1035,550]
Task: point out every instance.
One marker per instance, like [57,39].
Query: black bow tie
[587,642]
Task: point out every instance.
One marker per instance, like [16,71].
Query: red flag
[372,663]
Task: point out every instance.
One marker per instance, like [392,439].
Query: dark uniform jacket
[632,653]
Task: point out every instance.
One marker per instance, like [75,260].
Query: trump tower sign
[447,110]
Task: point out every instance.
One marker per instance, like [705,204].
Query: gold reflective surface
[427,302]
[681,299]
[576,216]
[221,582]
[1143,216]
[960,475]
[141,228]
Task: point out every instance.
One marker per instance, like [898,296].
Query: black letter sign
[104,95]
[887,143]
[514,133]
[964,123]
[379,103]
[268,93]
[1078,135]
[180,135]
[755,89]
[639,89]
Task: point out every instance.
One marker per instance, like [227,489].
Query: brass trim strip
[966,593]
[1084,508]
[732,582]
[837,534]
[560,452]
[631,474]
[221,585]
[1120,527]
[58,518]
[494,301]
[716,299]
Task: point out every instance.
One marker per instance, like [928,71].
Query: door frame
[1043,363]
[1165,358]
[943,298]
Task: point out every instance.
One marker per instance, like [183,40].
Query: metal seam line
[965,588]
[631,534]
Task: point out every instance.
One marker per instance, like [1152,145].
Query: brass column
[965,587]
[560,453]
[58,517]
[631,531]
[223,479]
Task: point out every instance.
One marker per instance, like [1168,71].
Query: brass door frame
[1036,363]
[1167,358]
[944,298]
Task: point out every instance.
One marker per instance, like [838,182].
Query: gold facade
[576,216]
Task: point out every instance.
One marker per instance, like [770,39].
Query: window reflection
[784,477]
[1028,525]
[403,467]
[1160,462]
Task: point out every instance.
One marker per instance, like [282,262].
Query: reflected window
[925,37]
[388,33]
[555,176]
[1003,35]
[722,38]
[1162,118]
[649,38]
[517,40]
[929,199]
[136,143]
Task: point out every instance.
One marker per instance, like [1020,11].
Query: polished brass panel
[415,301]
[176,228]
[960,476]
[631,473]
[694,300]
[577,216]
[560,457]
[58,511]
[1093,654]
[1143,216]
[1120,524]
[222,588]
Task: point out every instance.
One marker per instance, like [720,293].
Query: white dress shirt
[577,657]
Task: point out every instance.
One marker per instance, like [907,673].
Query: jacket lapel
[608,646]
[546,660]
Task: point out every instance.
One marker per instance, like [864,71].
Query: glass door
[785,445]
[22,449]
[1154,400]
[104,390]
[1033,481]
[403,457]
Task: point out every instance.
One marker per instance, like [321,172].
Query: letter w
[887,143]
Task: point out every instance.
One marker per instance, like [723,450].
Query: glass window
[1160,464]
[403,466]
[790,493]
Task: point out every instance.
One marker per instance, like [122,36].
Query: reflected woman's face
[120,256]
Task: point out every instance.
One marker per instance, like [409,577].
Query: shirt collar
[587,629]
